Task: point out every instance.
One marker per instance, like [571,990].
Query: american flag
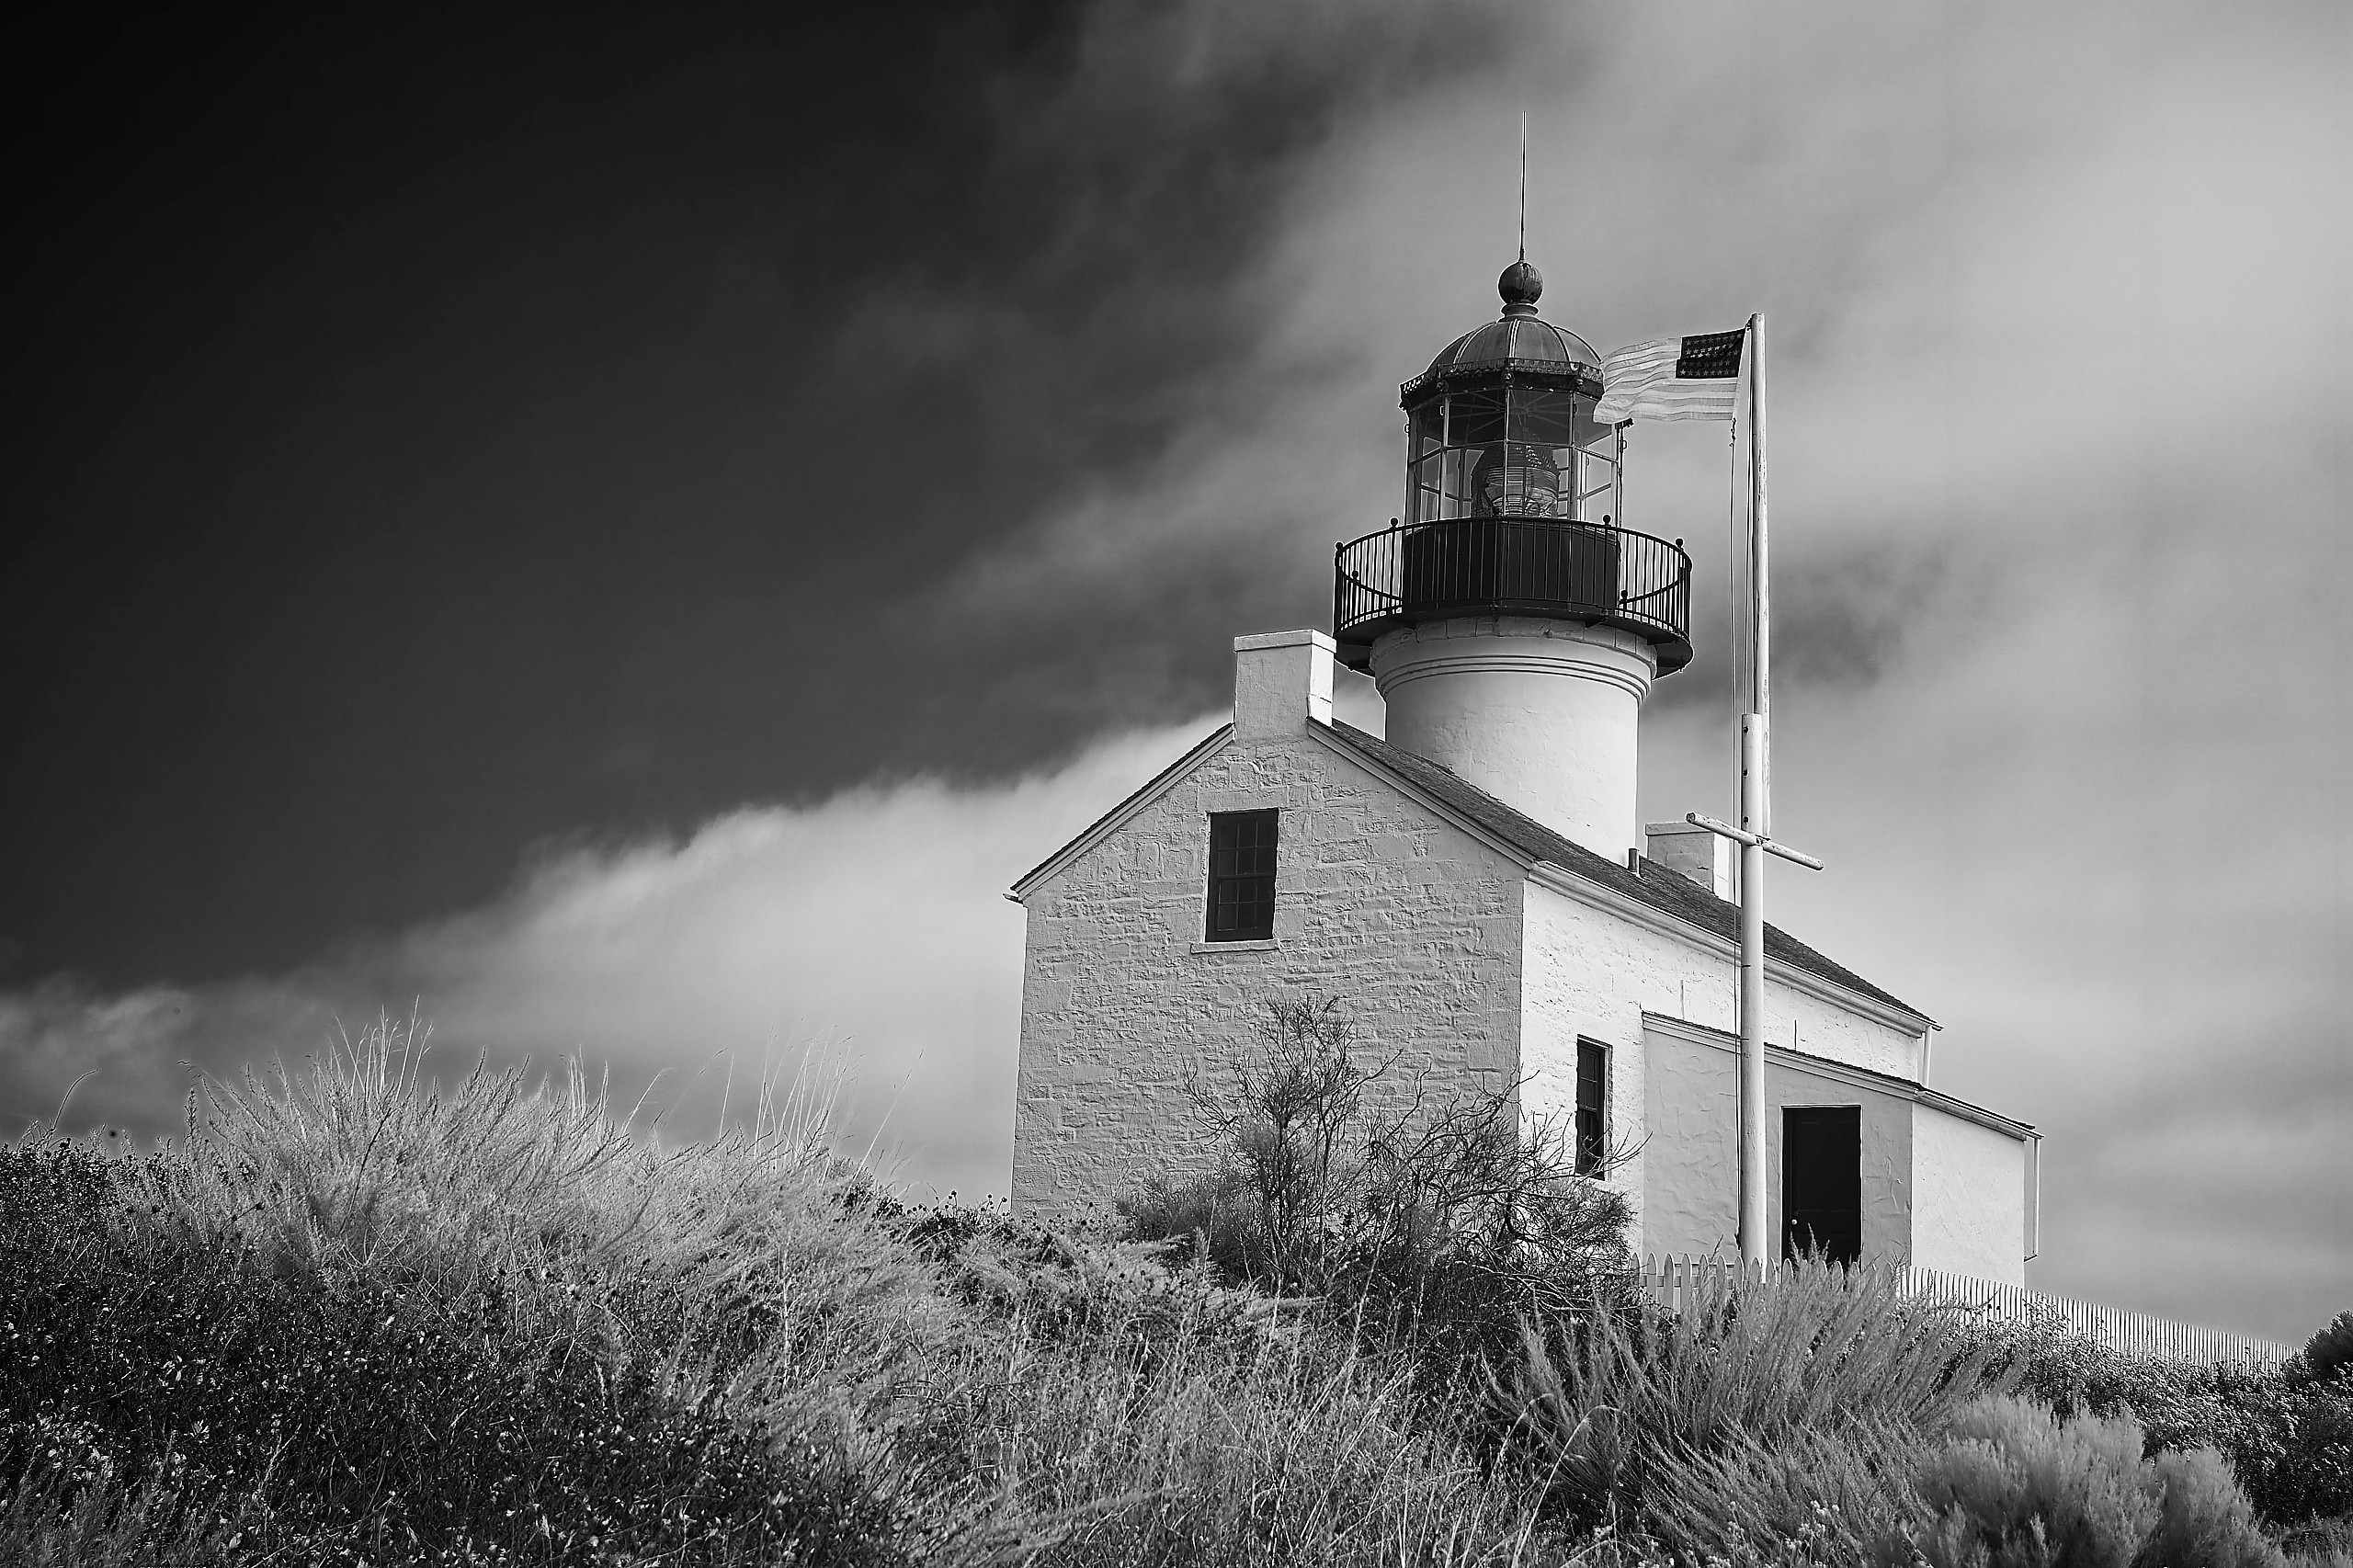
[1673,378]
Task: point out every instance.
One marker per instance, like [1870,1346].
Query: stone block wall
[1413,924]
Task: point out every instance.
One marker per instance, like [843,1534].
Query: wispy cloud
[869,929]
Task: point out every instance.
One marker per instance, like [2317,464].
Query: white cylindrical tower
[1541,714]
[1512,626]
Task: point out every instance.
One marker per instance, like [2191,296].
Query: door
[1822,1181]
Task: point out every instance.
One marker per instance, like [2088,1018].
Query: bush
[2292,1448]
[1209,1217]
[1435,1227]
[2329,1352]
[2205,1518]
[1838,1495]
[2288,1435]
[1471,1222]
[1612,1408]
[2015,1484]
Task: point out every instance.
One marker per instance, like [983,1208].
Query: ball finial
[1521,285]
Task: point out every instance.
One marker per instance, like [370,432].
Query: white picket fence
[1673,1282]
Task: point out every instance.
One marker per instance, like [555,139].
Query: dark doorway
[1822,1181]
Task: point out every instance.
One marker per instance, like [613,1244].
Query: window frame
[1272,849]
[1590,1158]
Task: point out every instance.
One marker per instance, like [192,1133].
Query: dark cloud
[441,433]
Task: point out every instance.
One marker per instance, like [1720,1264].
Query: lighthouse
[1512,623]
[1473,888]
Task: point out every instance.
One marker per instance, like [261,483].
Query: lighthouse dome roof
[1521,340]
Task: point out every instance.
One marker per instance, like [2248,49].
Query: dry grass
[943,1388]
[1007,1397]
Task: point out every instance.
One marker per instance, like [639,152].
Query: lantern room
[1501,424]
[1515,499]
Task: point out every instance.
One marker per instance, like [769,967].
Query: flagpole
[1756,821]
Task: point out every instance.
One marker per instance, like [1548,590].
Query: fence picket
[1676,1282]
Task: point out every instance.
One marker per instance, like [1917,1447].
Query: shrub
[1292,1131]
[1209,1216]
[2015,1484]
[1609,1407]
[2329,1352]
[2288,1435]
[1837,1495]
[1435,1227]
[2292,1448]
[1472,1221]
[2205,1518]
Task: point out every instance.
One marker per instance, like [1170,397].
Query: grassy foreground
[351,1318]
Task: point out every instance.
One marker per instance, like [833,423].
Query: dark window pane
[1541,416]
[1242,876]
[1475,418]
[1592,1106]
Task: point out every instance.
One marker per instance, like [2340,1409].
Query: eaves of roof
[1824,1066]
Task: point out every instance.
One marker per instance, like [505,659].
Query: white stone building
[1476,887]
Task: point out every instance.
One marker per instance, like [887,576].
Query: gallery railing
[1541,566]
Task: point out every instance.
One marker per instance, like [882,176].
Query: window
[1593,1108]
[1242,876]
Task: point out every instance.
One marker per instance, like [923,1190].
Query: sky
[623,532]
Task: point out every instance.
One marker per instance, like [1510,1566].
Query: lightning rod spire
[1523,185]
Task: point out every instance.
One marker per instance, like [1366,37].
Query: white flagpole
[1756,821]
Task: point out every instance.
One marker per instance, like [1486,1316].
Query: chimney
[1281,679]
[1708,859]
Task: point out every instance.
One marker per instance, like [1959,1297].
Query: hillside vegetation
[351,1317]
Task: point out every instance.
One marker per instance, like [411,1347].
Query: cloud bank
[867,933]
[2063,497]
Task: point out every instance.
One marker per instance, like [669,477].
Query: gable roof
[1666,892]
[1102,827]
[1653,885]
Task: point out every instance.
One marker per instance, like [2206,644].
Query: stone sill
[1266,947]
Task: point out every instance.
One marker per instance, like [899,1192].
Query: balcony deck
[1536,566]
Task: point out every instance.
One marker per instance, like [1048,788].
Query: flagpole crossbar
[1757,840]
